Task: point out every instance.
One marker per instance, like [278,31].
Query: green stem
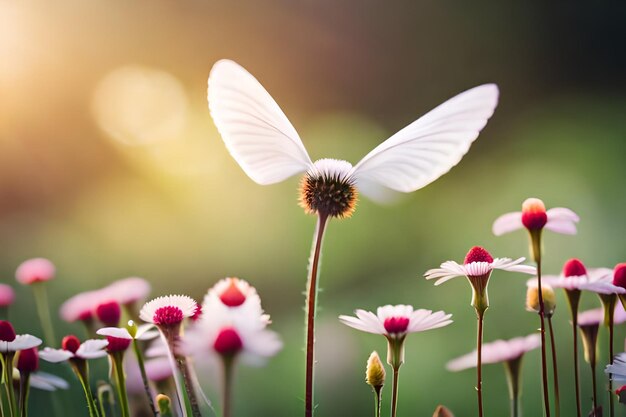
[611,354]
[8,383]
[479,349]
[81,369]
[117,359]
[2,383]
[24,390]
[311,303]
[573,298]
[377,402]
[228,386]
[595,389]
[144,376]
[544,366]
[169,336]
[394,391]
[513,379]
[43,310]
[557,400]
[181,362]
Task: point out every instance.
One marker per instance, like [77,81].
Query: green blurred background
[110,166]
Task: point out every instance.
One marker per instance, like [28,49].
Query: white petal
[358,324]
[146,332]
[564,227]
[562,214]
[430,146]
[22,342]
[92,349]
[186,304]
[55,355]
[47,382]
[255,130]
[507,223]
[118,332]
[507,264]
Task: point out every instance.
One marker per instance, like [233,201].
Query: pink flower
[7,295]
[28,360]
[81,306]
[619,275]
[576,276]
[535,217]
[496,352]
[109,313]
[168,311]
[595,317]
[35,270]
[11,342]
[235,296]
[128,290]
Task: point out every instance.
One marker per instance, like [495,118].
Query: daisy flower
[78,354]
[510,353]
[128,291]
[534,216]
[238,297]
[477,268]
[167,314]
[395,323]
[619,280]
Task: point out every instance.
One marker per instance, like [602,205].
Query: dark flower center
[228,342]
[574,268]
[328,195]
[478,254]
[394,325]
[168,315]
[109,313]
[7,333]
[117,344]
[70,343]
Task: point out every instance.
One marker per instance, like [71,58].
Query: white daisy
[169,310]
[535,217]
[478,264]
[73,349]
[496,352]
[575,276]
[11,342]
[397,321]
[238,297]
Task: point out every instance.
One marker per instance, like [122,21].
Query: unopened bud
[375,371]
[549,299]
[165,405]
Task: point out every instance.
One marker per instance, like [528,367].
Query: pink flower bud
[574,268]
[70,343]
[109,313]
[619,275]
[117,344]
[7,295]
[478,254]
[35,270]
[7,333]
[228,342]
[534,215]
[28,360]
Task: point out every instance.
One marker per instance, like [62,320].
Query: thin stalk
[557,400]
[82,372]
[513,375]
[394,391]
[228,386]
[377,402]
[595,388]
[311,304]
[144,376]
[2,383]
[480,314]
[183,367]
[544,366]
[611,354]
[168,335]
[41,300]
[573,298]
[8,383]
[24,391]
[120,382]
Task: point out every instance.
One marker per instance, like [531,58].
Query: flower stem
[41,300]
[120,382]
[480,314]
[228,386]
[81,370]
[544,366]
[573,298]
[394,391]
[377,402]
[183,367]
[513,375]
[595,389]
[144,377]
[8,383]
[311,305]
[611,354]
[557,400]
[24,391]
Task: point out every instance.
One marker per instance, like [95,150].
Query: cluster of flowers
[229,327]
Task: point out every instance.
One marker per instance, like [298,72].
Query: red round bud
[478,254]
[70,343]
[619,275]
[28,360]
[396,324]
[117,344]
[168,316]
[574,268]
[534,215]
[109,313]
[232,297]
[7,333]
[228,342]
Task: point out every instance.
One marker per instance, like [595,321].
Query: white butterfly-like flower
[267,147]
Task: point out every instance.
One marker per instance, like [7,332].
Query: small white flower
[535,217]
[478,263]
[21,342]
[168,310]
[496,352]
[144,332]
[237,297]
[618,368]
[396,321]
[89,349]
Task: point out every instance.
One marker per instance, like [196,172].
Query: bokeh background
[111,167]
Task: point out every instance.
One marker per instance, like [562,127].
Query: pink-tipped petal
[35,270]
[563,227]
[506,223]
